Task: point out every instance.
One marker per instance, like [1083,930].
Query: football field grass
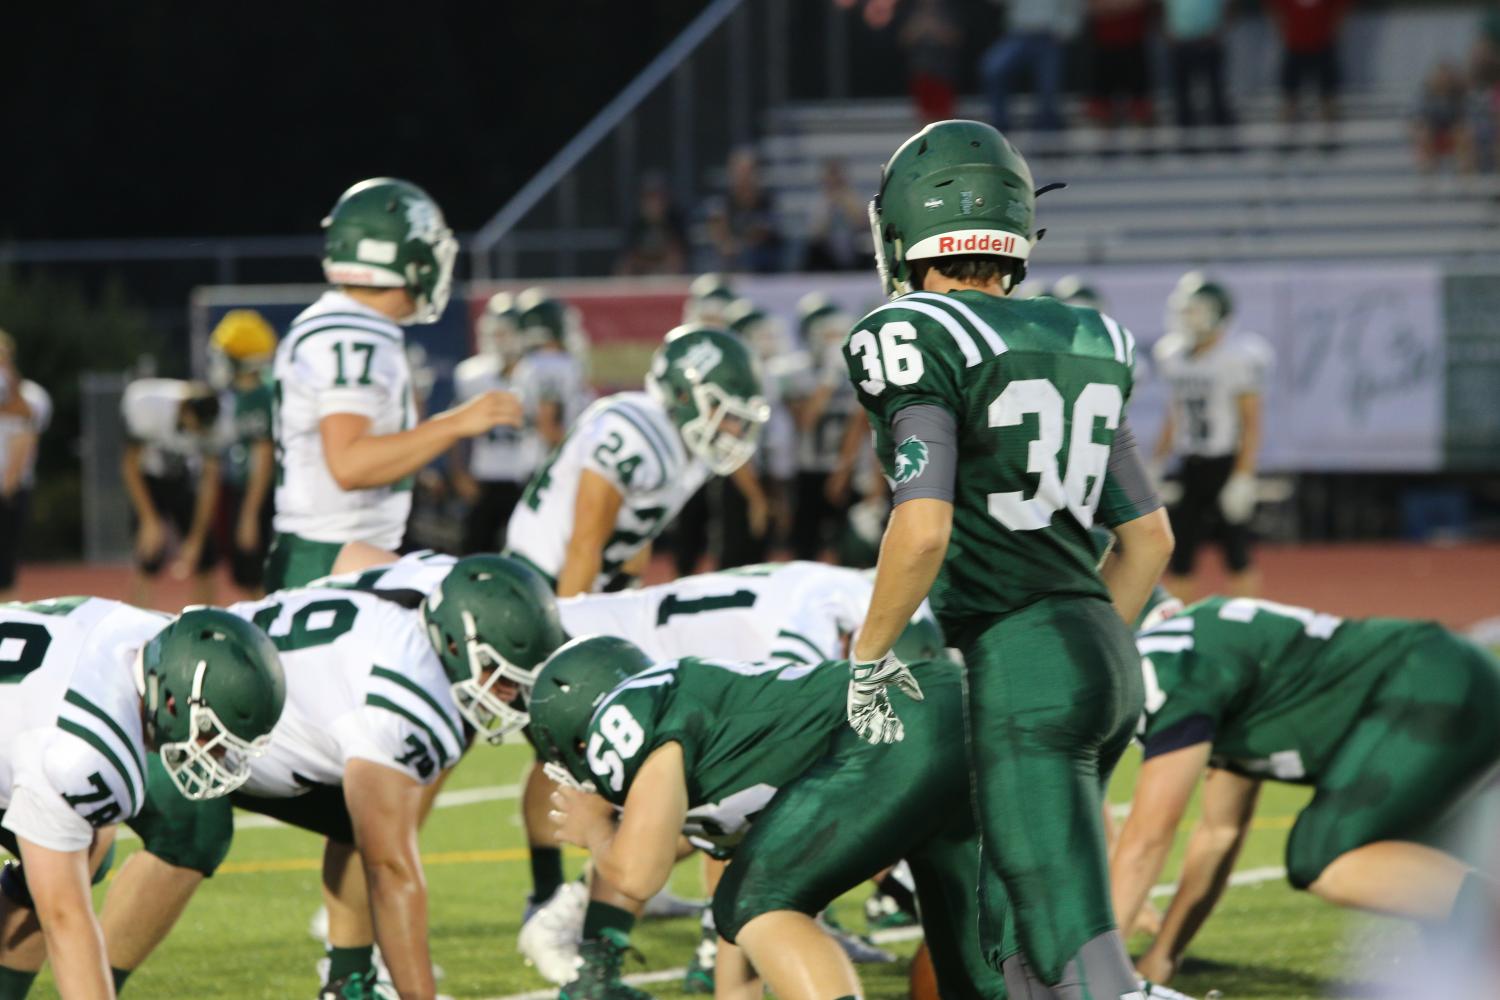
[245,933]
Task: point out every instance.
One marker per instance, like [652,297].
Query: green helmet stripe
[402,680]
[74,698]
[380,701]
[818,654]
[92,739]
[986,332]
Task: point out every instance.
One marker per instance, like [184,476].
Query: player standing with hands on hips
[1217,381]
[1000,424]
[347,437]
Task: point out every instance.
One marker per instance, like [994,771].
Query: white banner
[1358,382]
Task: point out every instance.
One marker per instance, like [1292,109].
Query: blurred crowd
[1456,121]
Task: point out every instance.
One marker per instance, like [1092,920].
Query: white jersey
[1206,388]
[12,427]
[629,440]
[552,377]
[798,611]
[72,744]
[505,454]
[152,411]
[339,357]
[362,682]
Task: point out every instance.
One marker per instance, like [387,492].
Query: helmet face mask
[213,689]
[709,384]
[491,623]
[389,233]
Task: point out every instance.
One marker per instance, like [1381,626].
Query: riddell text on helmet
[977,243]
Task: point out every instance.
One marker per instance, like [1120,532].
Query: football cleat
[1151,991]
[666,906]
[883,912]
[599,963]
[698,977]
[861,951]
[549,937]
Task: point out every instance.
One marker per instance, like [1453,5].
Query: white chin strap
[207,768]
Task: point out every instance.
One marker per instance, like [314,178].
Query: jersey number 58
[625,738]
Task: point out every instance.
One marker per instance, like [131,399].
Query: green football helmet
[922,639]
[955,188]
[492,621]
[764,333]
[1198,306]
[543,319]
[569,687]
[213,689]
[710,386]
[822,324]
[389,233]
[709,298]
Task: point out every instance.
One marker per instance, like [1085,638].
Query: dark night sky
[162,119]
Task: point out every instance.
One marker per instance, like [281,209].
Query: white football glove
[1237,498]
[871,714]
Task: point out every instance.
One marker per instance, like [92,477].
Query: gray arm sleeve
[925,437]
[1127,472]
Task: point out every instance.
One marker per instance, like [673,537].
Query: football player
[92,688]
[800,612]
[21,430]
[1392,722]
[241,347]
[1213,425]
[754,761]
[378,697]
[346,425]
[1000,424]
[709,298]
[551,375]
[822,403]
[491,471]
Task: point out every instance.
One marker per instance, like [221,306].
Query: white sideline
[445,800]
[1250,876]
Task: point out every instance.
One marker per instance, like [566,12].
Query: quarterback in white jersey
[1217,380]
[345,418]
[89,689]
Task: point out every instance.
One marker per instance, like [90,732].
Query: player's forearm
[262,471]
[637,875]
[911,554]
[379,460]
[398,902]
[135,484]
[1136,864]
[1205,873]
[75,947]
[1249,450]
[205,504]
[581,567]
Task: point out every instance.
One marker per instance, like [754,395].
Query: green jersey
[252,424]
[1275,688]
[1037,390]
[745,730]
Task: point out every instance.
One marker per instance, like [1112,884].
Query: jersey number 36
[1079,485]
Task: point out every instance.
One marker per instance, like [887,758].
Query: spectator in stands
[1309,36]
[1120,68]
[1195,35]
[1484,93]
[657,240]
[743,225]
[171,472]
[933,41]
[1441,129]
[23,419]
[1035,35]
[838,237]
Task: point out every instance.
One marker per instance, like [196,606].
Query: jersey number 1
[1079,486]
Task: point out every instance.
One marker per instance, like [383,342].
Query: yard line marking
[445,800]
[1250,876]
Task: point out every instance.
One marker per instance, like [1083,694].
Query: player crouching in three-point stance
[94,688]
[753,762]
[1000,424]
[1392,722]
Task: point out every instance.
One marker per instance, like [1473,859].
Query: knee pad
[13,885]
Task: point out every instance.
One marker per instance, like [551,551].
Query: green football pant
[295,562]
[1430,734]
[862,808]
[1054,693]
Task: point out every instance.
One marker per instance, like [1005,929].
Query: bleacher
[1257,191]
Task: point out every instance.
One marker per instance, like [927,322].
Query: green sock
[546,872]
[601,917]
[347,961]
[120,974]
[14,983]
